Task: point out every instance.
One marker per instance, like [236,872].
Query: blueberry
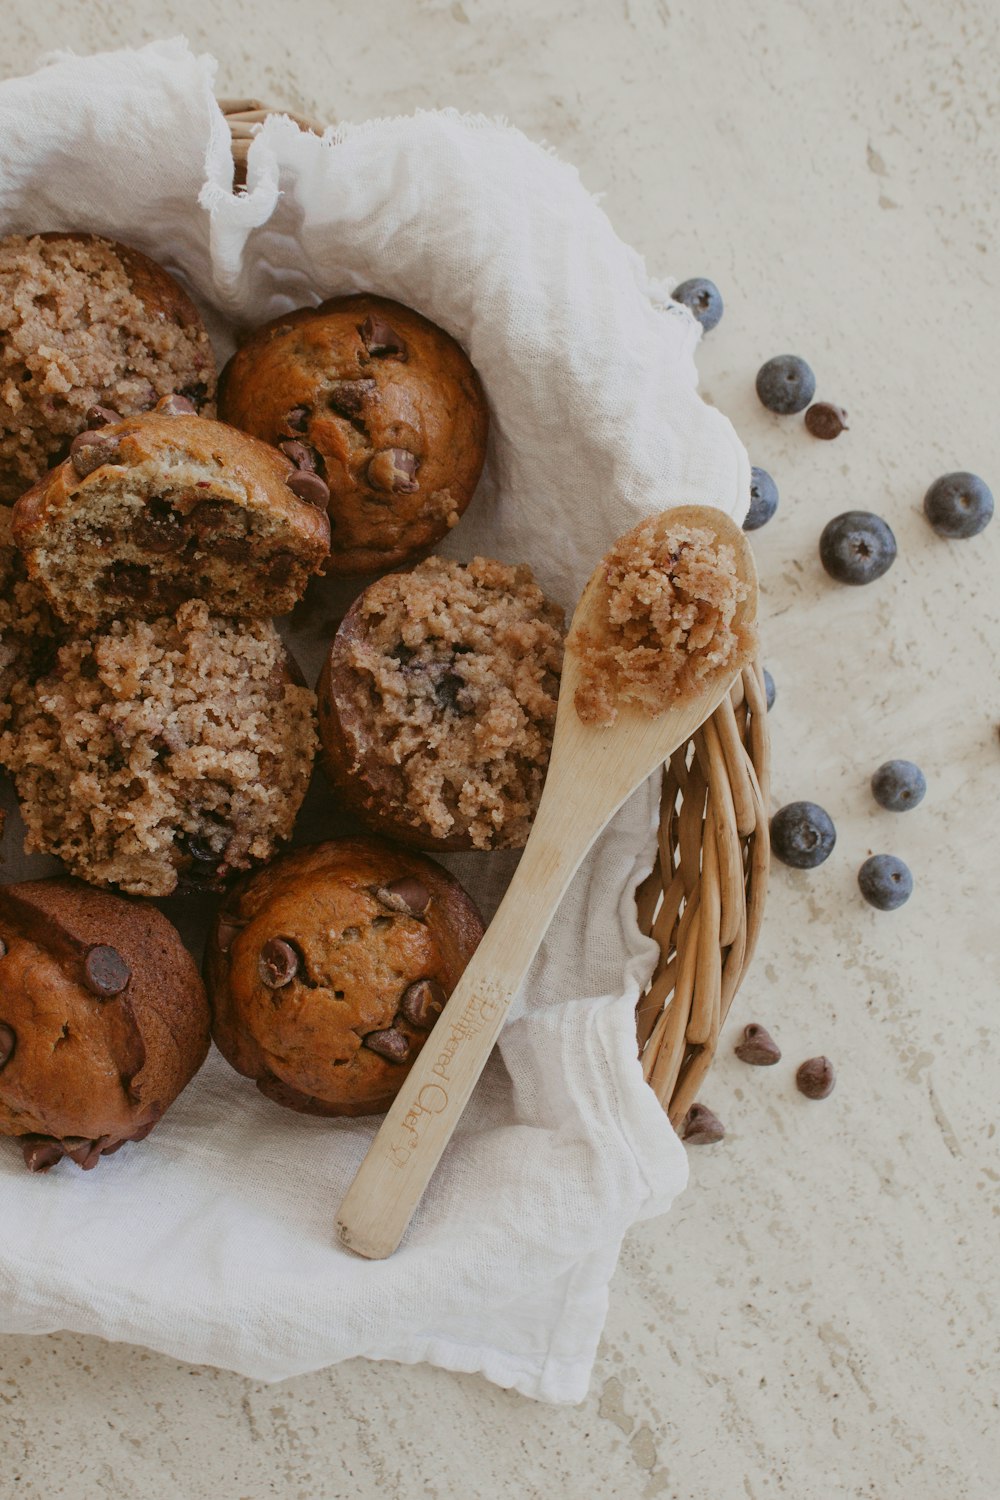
[898,785]
[763,500]
[802,835]
[885,882]
[857,547]
[786,384]
[770,692]
[701,297]
[959,505]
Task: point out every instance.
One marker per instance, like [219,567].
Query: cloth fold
[213,1242]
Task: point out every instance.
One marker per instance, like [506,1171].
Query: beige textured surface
[818,1318]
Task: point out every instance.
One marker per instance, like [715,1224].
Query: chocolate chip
[381,339]
[89,450]
[297,420]
[407,895]
[824,420]
[816,1078]
[158,529]
[131,579]
[701,1127]
[214,518]
[176,405]
[758,1047]
[422,1003]
[40,1152]
[279,963]
[391,1044]
[310,488]
[101,416]
[347,398]
[447,689]
[236,549]
[8,1041]
[85,1153]
[402,653]
[280,568]
[301,454]
[105,972]
[393,470]
[201,851]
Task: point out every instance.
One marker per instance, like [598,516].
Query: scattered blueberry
[857,547]
[802,835]
[959,505]
[763,500]
[898,785]
[786,384]
[770,692]
[824,420]
[885,882]
[702,298]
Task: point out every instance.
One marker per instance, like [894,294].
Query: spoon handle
[409,1144]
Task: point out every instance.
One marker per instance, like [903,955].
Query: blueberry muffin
[103,1020]
[86,321]
[327,970]
[380,403]
[163,751]
[150,511]
[437,704]
[28,628]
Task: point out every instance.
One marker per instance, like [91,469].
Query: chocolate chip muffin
[28,628]
[161,751]
[381,404]
[152,510]
[327,970]
[87,321]
[438,701]
[103,1020]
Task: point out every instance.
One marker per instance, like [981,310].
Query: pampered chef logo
[480,1010]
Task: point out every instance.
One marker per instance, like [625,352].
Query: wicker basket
[704,898]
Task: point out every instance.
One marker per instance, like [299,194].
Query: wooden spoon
[592,770]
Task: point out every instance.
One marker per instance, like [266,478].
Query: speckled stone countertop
[818,1317]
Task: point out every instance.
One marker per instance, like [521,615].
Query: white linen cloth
[213,1241]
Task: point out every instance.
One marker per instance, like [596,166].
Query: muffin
[87,321]
[103,1020]
[153,510]
[383,405]
[160,751]
[28,628]
[327,970]
[437,704]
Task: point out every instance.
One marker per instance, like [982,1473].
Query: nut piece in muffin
[379,402]
[438,702]
[103,1020]
[86,321]
[327,970]
[671,617]
[177,749]
[28,627]
[152,510]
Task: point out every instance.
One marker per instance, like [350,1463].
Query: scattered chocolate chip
[297,420]
[40,1152]
[279,963]
[105,972]
[90,449]
[227,930]
[758,1047]
[393,470]
[176,405]
[824,420]
[381,339]
[310,488]
[301,454]
[8,1041]
[816,1078]
[85,1153]
[407,895]
[101,416]
[158,529]
[701,1127]
[347,398]
[422,1003]
[391,1044]
[131,579]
